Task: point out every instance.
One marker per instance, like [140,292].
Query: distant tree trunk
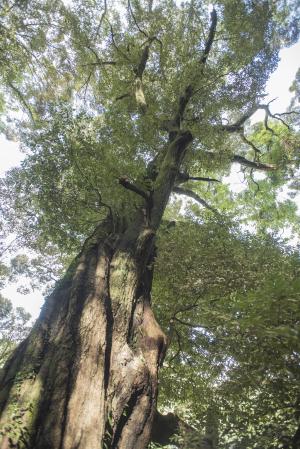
[86,377]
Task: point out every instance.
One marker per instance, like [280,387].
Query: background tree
[13,327]
[139,101]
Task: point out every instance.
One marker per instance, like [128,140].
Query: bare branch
[185,323]
[196,197]
[253,164]
[184,177]
[238,125]
[254,182]
[267,114]
[130,186]
[286,113]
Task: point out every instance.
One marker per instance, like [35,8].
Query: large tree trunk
[86,377]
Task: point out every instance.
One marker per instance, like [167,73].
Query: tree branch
[253,164]
[251,144]
[115,44]
[99,62]
[189,90]
[102,18]
[130,186]
[184,177]
[135,21]
[194,196]
[238,125]
[139,70]
[211,36]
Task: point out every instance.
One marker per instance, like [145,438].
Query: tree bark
[86,376]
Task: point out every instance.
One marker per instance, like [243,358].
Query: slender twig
[115,45]
[135,21]
[185,323]
[102,18]
[179,345]
[254,182]
[248,142]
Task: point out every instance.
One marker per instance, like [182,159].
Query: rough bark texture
[86,377]
[87,374]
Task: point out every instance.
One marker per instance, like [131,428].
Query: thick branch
[139,70]
[194,196]
[253,164]
[138,85]
[211,36]
[130,186]
[184,177]
[189,90]
[238,125]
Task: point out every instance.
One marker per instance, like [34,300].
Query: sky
[277,87]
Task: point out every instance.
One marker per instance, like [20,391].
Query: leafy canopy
[102,84]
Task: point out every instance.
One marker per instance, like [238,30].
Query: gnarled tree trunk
[88,371]
[86,377]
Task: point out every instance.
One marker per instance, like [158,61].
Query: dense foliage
[101,86]
[13,327]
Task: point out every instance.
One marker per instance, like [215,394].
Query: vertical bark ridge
[70,332]
[136,353]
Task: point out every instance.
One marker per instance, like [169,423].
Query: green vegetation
[106,93]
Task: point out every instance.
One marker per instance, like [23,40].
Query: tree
[164,93]
[13,327]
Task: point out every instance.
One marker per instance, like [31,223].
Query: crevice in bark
[126,414]
[109,334]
